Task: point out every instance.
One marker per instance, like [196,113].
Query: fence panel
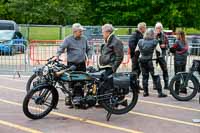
[38,51]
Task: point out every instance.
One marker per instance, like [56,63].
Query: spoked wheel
[31,80]
[183,89]
[119,102]
[39,102]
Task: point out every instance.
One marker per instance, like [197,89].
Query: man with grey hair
[163,42]
[111,51]
[76,52]
[133,41]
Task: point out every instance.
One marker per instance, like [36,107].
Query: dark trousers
[77,88]
[136,69]
[146,68]
[135,66]
[108,82]
[163,65]
[180,67]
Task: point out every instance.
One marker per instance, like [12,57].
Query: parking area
[151,115]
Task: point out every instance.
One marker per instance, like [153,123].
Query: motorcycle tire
[115,110]
[181,78]
[39,101]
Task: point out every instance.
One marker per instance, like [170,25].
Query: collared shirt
[77,49]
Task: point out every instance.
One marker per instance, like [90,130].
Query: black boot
[146,93]
[166,80]
[166,87]
[159,86]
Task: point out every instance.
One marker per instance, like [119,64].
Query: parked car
[93,33]
[8,25]
[11,42]
[194,44]
[171,39]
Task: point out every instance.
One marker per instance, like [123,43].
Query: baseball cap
[77,26]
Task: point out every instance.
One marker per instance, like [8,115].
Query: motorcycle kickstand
[108,116]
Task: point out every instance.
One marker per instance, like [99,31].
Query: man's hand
[157,61]
[55,58]
[162,46]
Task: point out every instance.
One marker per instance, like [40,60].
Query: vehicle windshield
[6,35]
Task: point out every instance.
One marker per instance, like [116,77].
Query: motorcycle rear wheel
[115,105]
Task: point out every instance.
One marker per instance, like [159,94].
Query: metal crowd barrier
[13,59]
[38,51]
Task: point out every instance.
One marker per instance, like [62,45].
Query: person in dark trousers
[163,42]
[133,41]
[76,51]
[111,56]
[180,50]
[144,51]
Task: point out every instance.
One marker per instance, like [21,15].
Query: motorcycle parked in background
[186,81]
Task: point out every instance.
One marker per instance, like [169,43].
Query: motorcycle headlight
[45,70]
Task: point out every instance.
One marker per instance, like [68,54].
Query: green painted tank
[76,76]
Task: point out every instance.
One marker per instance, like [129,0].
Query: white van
[8,25]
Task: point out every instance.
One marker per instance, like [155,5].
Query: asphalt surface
[150,115]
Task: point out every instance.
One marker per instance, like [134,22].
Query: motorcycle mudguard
[41,86]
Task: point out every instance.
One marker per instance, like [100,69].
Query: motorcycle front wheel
[39,102]
[183,87]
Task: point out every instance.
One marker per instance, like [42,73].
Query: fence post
[28,29]
[129,30]
[60,36]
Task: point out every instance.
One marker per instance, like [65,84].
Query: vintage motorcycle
[44,96]
[185,85]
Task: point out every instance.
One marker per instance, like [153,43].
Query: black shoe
[162,95]
[145,94]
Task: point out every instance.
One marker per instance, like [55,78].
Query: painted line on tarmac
[11,76]
[169,95]
[13,89]
[158,117]
[92,122]
[165,119]
[169,105]
[142,101]
[26,129]
[18,80]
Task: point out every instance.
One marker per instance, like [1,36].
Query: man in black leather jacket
[111,51]
[133,41]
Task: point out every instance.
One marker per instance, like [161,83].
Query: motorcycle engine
[90,101]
